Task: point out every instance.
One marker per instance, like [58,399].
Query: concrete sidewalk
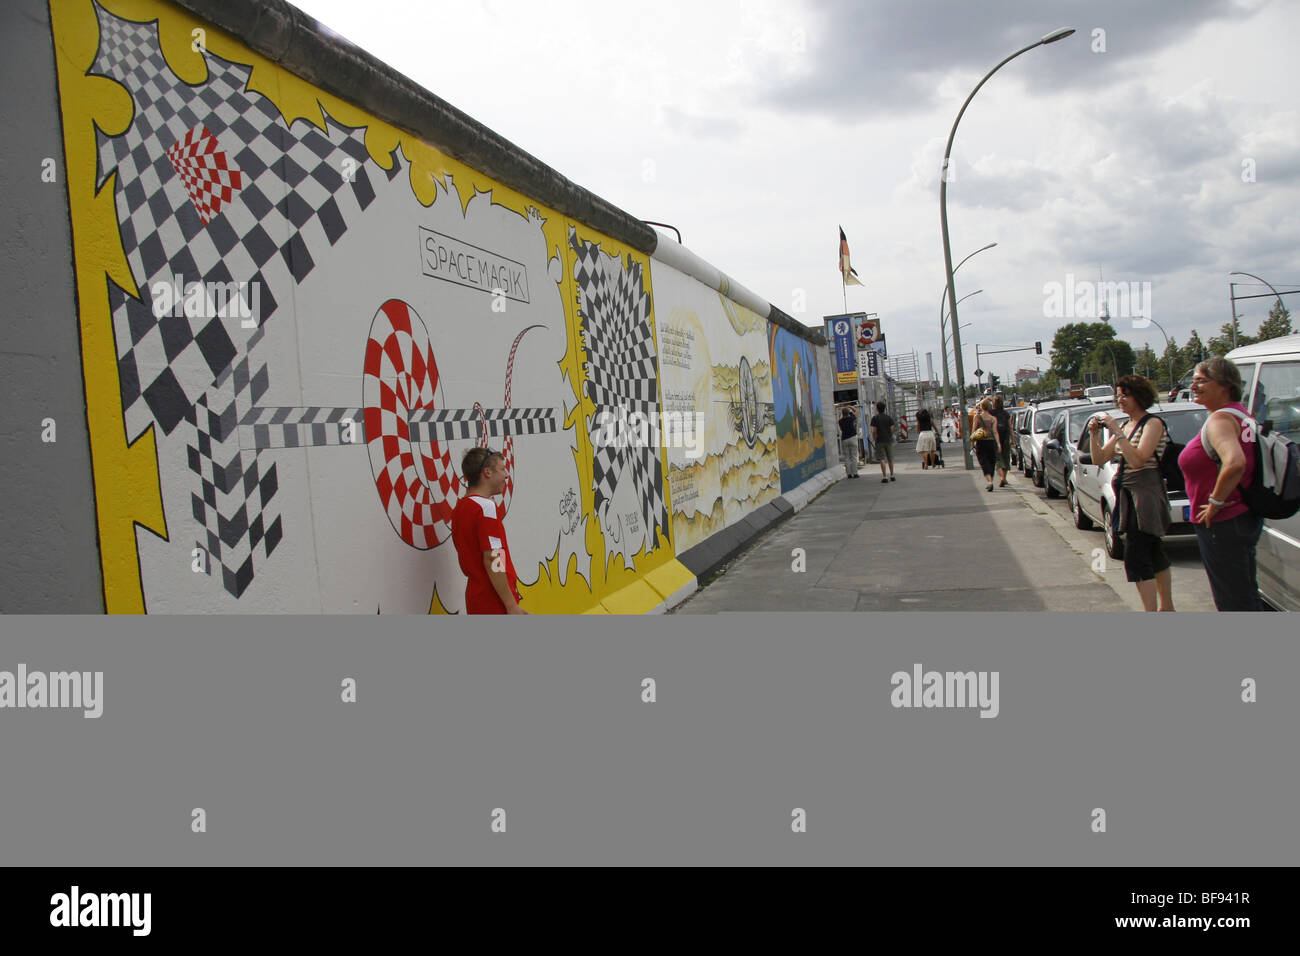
[932,540]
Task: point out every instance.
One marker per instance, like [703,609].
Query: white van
[1270,377]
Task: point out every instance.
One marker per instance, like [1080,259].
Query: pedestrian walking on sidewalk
[1004,438]
[1141,502]
[1227,531]
[882,433]
[849,441]
[949,425]
[926,444]
[984,433]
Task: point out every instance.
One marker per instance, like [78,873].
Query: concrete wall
[300,308]
[826,381]
[50,559]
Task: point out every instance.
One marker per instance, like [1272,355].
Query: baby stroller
[938,454]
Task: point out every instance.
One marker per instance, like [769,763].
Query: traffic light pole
[1036,347]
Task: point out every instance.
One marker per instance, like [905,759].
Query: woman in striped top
[1141,503]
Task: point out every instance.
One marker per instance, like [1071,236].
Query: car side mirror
[1085,458]
[1053,443]
[1024,431]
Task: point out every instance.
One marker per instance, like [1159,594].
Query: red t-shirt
[475,528]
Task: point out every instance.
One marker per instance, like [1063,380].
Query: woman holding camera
[1141,503]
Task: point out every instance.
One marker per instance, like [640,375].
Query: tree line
[1090,352]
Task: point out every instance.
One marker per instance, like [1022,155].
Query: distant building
[1031,375]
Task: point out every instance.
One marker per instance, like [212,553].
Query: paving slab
[931,540]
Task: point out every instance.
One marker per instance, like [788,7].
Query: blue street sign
[846,359]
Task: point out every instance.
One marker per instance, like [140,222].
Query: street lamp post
[1232,293]
[946,338]
[964,325]
[947,248]
[947,387]
[1169,357]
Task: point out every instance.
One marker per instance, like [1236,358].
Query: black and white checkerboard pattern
[312,427]
[295,198]
[622,374]
[234,499]
[234,504]
[462,423]
[319,426]
[298,190]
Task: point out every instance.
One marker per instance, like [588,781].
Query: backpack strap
[1209,449]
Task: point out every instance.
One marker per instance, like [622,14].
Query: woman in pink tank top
[1226,530]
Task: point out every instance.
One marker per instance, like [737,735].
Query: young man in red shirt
[480,537]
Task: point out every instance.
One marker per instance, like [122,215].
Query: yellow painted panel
[636,598]
[669,578]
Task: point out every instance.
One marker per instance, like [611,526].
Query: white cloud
[770,124]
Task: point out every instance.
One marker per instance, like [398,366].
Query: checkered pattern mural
[463,423]
[205,170]
[183,212]
[212,186]
[622,373]
[234,500]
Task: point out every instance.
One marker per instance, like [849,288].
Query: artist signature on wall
[569,508]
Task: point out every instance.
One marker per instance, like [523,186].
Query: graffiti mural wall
[296,318]
[716,365]
[797,405]
[312,317]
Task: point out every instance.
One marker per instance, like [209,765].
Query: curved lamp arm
[943,219]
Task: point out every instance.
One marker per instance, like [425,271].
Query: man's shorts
[886,451]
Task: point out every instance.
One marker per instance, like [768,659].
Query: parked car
[1100,394]
[1270,374]
[1089,491]
[1062,446]
[1033,432]
[1017,419]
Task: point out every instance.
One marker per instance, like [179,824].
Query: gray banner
[756,717]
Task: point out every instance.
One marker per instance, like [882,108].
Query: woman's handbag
[980,434]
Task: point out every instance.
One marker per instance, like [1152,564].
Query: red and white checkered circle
[418,483]
[419,488]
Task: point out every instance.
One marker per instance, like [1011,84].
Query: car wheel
[1039,477]
[1081,520]
[1114,544]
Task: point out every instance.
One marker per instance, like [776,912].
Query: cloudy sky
[758,127]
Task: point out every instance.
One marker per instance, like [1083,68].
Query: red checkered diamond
[209,176]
